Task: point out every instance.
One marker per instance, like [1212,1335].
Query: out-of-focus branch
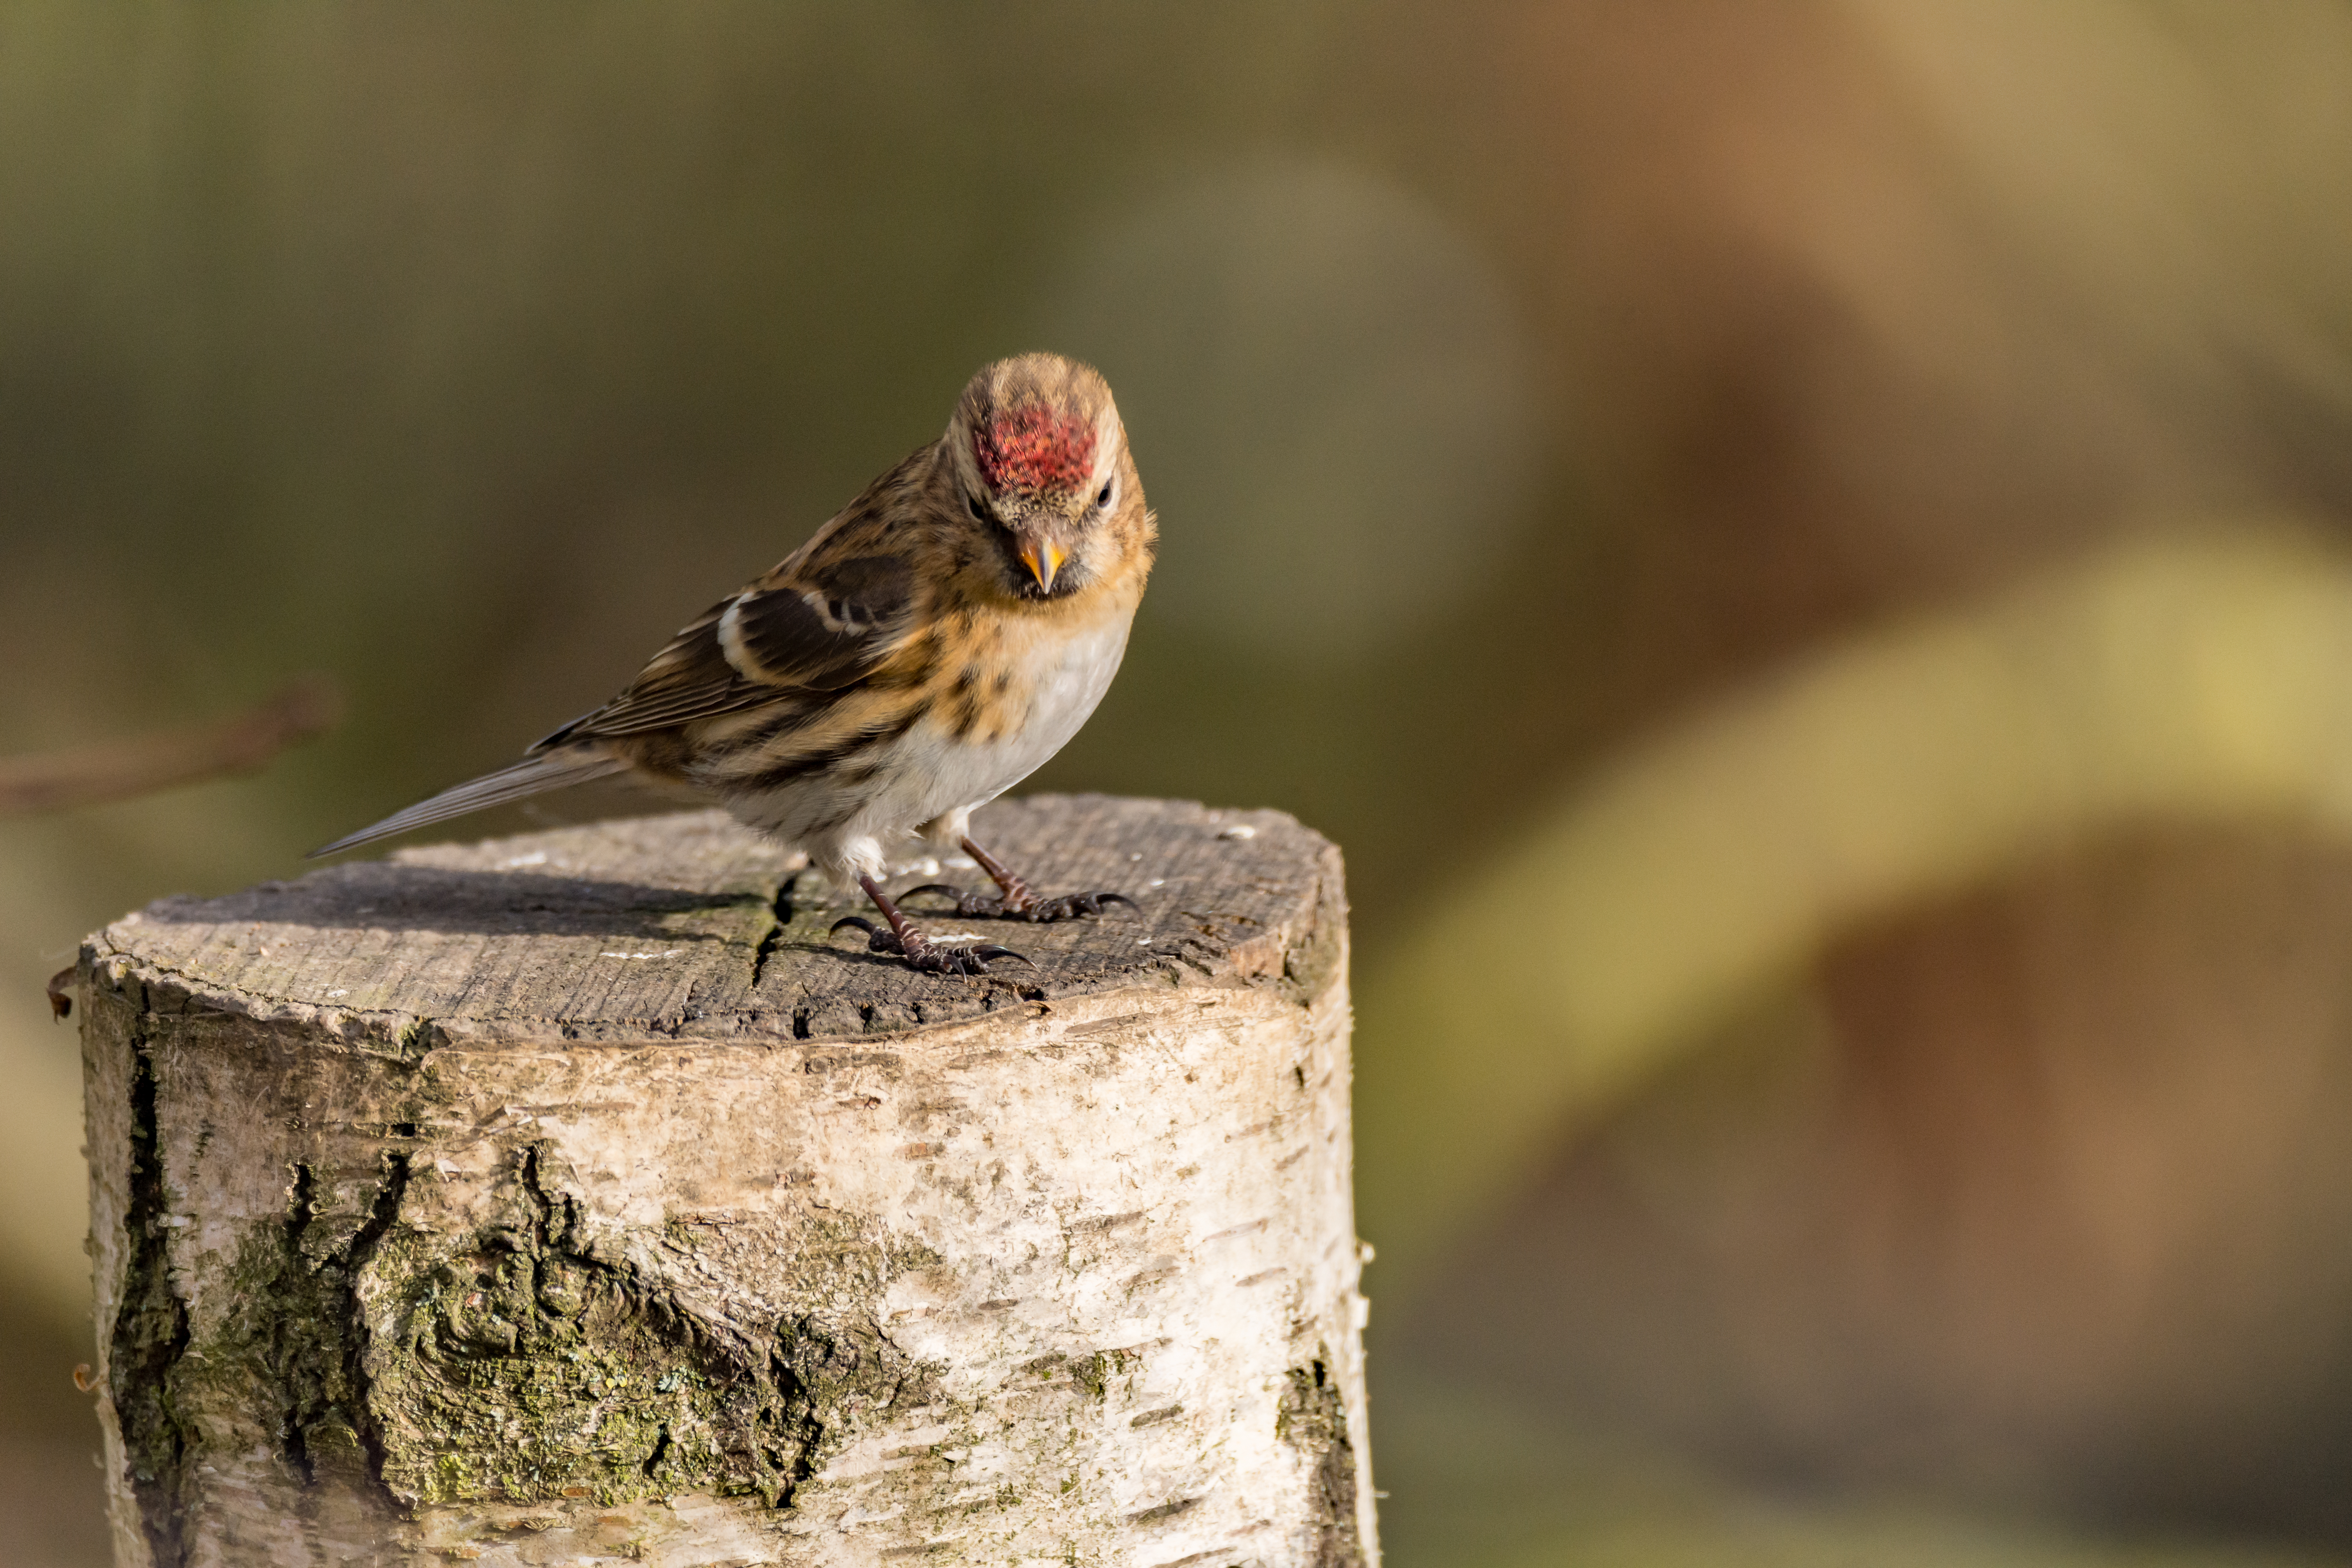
[299,710]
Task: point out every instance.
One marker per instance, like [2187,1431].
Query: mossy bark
[567,1199]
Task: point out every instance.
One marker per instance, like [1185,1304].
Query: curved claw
[1037,911]
[927,956]
[1072,905]
[1092,903]
[934,959]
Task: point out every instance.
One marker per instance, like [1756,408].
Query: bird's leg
[920,950]
[1016,901]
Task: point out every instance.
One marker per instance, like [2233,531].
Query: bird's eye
[1102,497]
[972,502]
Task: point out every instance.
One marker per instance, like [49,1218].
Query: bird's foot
[1015,900]
[924,955]
[1018,903]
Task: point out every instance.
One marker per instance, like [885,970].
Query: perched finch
[924,652]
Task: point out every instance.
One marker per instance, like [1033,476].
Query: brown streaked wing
[827,634]
[689,678]
[864,608]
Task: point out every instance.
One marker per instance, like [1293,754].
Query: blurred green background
[1800,549]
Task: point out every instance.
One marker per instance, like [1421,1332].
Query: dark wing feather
[821,629]
[824,635]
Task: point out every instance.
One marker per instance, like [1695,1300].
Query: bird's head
[1040,458]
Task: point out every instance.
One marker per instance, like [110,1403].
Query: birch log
[573,1198]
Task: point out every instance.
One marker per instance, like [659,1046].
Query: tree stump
[573,1198]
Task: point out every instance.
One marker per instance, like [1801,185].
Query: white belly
[932,776]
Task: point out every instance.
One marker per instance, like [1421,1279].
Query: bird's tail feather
[532,775]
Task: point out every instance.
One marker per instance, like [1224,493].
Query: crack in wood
[493,1234]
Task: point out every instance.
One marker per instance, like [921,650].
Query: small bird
[926,650]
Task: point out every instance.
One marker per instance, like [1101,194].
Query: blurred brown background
[1799,548]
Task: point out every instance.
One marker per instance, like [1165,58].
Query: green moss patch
[148,1340]
[521,1369]
[1313,1419]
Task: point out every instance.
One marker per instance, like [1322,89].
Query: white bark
[433,1224]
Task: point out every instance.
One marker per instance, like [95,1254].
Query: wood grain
[573,1198]
[690,926]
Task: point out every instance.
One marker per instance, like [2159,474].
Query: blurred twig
[301,708]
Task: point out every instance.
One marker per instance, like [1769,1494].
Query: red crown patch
[1035,449]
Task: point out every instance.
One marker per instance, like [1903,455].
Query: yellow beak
[1043,559]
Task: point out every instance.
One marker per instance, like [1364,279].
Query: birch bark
[572,1199]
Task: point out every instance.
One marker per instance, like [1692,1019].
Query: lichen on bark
[518,1365]
[1313,1418]
[309,1342]
[149,1337]
[450,1210]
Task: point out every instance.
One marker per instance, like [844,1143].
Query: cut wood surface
[573,1198]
